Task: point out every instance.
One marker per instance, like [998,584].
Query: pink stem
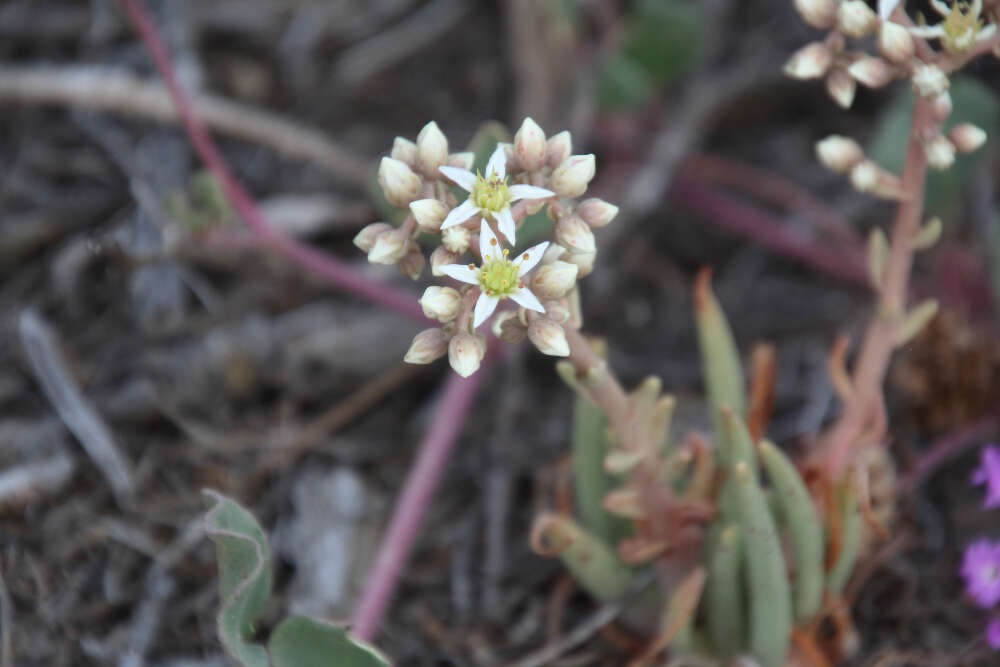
[952,444]
[321,264]
[750,222]
[453,406]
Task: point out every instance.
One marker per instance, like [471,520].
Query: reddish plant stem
[607,393]
[310,259]
[751,223]
[860,416]
[453,407]
[947,447]
[770,188]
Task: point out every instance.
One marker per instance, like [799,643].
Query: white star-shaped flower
[499,277]
[489,195]
[962,27]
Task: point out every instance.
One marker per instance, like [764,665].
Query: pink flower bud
[530,146]
[841,87]
[941,107]
[570,179]
[389,247]
[868,177]
[508,327]
[895,43]
[404,150]
[596,212]
[548,337]
[441,257]
[584,262]
[559,148]
[871,72]
[429,214]
[819,14]
[398,182]
[456,239]
[967,137]
[940,153]
[441,303]
[365,239]
[462,160]
[465,354]
[412,263]
[552,281]
[929,81]
[427,346]
[856,19]
[432,150]
[809,62]
[838,153]
[573,234]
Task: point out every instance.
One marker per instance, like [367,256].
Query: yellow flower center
[498,276]
[490,193]
[960,28]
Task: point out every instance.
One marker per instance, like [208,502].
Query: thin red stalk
[770,188]
[750,222]
[952,444]
[879,341]
[453,407]
[321,264]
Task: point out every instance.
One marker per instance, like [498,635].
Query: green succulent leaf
[300,641]
[244,577]
[590,481]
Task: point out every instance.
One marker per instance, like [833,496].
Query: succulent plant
[753,550]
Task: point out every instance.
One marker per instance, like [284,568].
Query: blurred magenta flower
[993,633]
[981,571]
[989,473]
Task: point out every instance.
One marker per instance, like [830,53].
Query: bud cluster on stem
[534,172]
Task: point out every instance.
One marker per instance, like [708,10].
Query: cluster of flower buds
[520,179]
[897,57]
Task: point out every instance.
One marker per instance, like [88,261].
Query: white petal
[485,306]
[524,298]
[986,32]
[940,7]
[530,257]
[498,163]
[460,214]
[927,31]
[885,7]
[488,244]
[461,272]
[505,221]
[463,178]
[529,192]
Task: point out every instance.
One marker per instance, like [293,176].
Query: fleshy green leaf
[244,577]
[663,37]
[590,481]
[621,83]
[305,642]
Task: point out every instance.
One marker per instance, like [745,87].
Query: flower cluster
[899,56]
[981,562]
[520,179]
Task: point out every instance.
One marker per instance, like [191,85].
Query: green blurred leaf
[972,103]
[244,577]
[663,37]
[621,83]
[590,481]
[305,642]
